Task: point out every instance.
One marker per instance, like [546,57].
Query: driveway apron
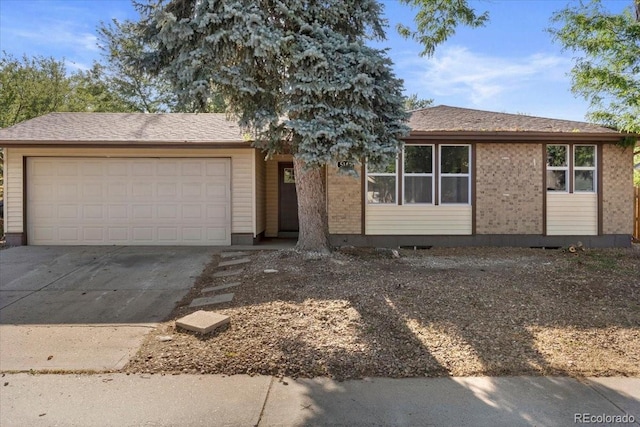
[87,307]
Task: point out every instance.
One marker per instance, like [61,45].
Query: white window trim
[395,175]
[593,168]
[454,175]
[410,174]
[568,178]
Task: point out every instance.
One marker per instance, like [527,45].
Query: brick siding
[509,188]
[345,203]
[617,194]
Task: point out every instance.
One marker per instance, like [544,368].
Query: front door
[287,200]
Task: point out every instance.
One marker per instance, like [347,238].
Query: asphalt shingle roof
[214,128]
[126,127]
[453,119]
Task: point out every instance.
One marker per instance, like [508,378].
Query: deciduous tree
[607,63]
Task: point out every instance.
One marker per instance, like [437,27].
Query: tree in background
[30,87]
[412,102]
[34,86]
[607,70]
[121,44]
[299,77]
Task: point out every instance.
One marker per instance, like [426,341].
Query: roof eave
[515,136]
[125,144]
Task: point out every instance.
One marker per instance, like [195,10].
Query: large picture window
[381,184]
[418,174]
[428,174]
[571,168]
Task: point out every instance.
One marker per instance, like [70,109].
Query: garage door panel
[67,169]
[91,191]
[143,169]
[117,169]
[128,201]
[93,234]
[167,190]
[191,168]
[192,212]
[118,234]
[192,191]
[142,190]
[68,234]
[167,211]
[142,212]
[118,212]
[68,212]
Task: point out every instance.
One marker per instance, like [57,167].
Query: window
[454,173]
[428,174]
[577,162]
[381,184]
[557,167]
[584,169]
[418,174]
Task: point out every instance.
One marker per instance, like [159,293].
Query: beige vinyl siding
[13,184]
[418,220]
[242,178]
[260,196]
[572,214]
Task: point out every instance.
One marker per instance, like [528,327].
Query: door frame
[281,167]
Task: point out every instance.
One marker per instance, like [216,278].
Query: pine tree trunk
[312,208]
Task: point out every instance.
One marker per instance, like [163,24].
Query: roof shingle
[214,128]
[453,119]
[126,127]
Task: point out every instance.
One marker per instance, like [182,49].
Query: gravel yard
[436,312]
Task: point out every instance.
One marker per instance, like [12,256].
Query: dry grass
[461,312]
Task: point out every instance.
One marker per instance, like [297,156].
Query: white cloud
[480,78]
[61,35]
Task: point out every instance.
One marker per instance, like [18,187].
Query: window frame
[571,168]
[593,168]
[418,175]
[567,168]
[394,174]
[455,175]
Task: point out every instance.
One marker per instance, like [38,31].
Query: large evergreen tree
[297,74]
[299,77]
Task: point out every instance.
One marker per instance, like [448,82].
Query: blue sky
[511,65]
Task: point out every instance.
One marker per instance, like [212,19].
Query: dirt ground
[436,312]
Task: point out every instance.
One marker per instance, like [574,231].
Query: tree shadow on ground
[436,314]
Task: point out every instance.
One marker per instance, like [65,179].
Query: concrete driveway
[77,304]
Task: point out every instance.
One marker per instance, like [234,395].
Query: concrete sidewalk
[214,400]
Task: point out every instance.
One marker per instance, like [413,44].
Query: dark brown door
[287,199]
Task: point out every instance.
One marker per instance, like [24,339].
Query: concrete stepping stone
[220,287]
[231,254]
[202,321]
[234,262]
[218,299]
[227,273]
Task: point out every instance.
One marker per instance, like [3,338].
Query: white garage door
[125,201]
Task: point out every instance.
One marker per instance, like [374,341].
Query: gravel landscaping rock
[436,312]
